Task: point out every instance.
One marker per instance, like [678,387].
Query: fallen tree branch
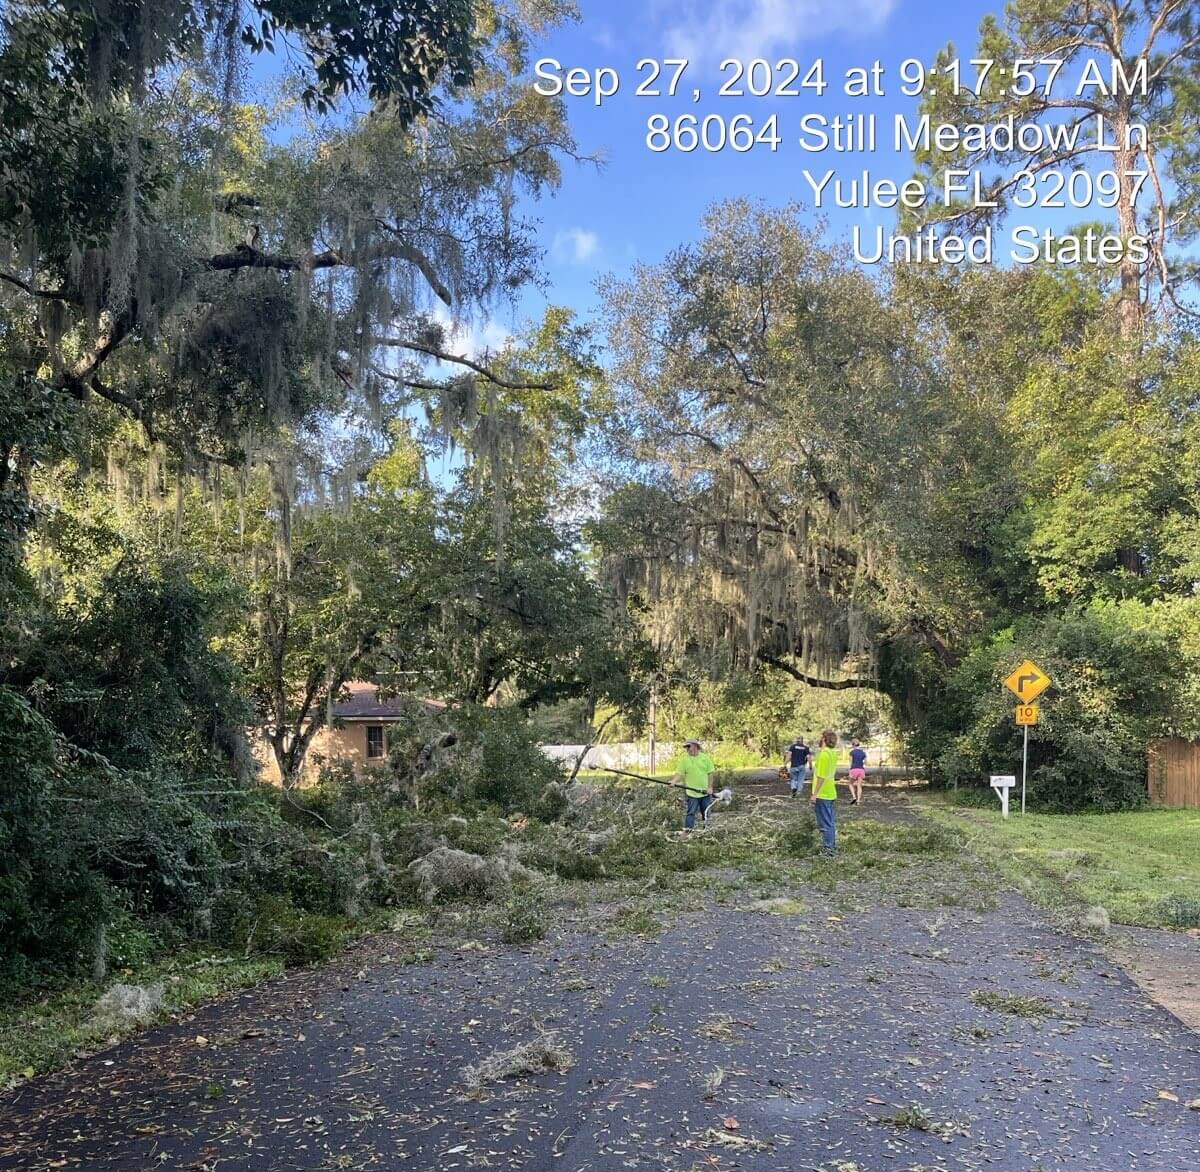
[595,740]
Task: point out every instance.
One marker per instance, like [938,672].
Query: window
[374,741]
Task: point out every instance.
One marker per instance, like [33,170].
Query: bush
[130,944]
[506,766]
[123,793]
[1115,686]
[51,903]
[313,876]
[273,925]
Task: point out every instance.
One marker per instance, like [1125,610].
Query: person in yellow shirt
[694,771]
[824,790]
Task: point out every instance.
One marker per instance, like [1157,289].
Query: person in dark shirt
[858,771]
[796,762]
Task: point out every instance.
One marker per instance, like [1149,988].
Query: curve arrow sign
[1027,682]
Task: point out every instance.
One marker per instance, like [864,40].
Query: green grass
[1144,866]
[525,919]
[36,1036]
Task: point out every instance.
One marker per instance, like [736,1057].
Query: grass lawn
[1144,867]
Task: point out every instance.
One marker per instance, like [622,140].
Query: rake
[724,797]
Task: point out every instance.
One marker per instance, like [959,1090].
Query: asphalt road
[733,1040]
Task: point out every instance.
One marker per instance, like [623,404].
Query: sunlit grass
[1144,866]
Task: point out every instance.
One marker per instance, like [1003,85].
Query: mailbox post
[1002,784]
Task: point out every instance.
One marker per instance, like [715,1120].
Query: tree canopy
[247,458]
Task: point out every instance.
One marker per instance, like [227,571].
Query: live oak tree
[356,580]
[419,588]
[252,285]
[461,593]
[219,292]
[521,617]
[780,442]
[231,278]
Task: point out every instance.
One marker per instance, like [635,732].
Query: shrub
[51,902]
[123,794]
[1115,685]
[315,877]
[129,943]
[507,766]
[271,924]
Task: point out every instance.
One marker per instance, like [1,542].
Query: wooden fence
[1174,773]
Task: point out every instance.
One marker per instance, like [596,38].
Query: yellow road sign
[1028,682]
[1028,713]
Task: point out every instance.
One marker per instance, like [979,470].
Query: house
[357,733]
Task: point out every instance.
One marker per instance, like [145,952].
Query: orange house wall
[348,742]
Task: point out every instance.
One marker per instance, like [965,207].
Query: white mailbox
[1002,784]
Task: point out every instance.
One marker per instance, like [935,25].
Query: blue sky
[639,204]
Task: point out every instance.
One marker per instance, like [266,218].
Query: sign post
[1024,768]
[1027,683]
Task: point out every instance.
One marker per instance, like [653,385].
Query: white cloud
[575,246]
[746,29]
[470,338]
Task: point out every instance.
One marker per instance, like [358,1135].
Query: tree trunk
[1124,162]
[1129,308]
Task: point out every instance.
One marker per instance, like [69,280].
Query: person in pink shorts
[858,771]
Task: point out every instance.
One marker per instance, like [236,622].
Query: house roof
[364,704]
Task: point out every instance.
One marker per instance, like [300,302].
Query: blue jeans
[796,773]
[697,804]
[826,812]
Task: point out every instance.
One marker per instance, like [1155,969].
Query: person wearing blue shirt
[796,763]
[858,771]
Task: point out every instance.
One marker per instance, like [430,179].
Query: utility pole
[654,727]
